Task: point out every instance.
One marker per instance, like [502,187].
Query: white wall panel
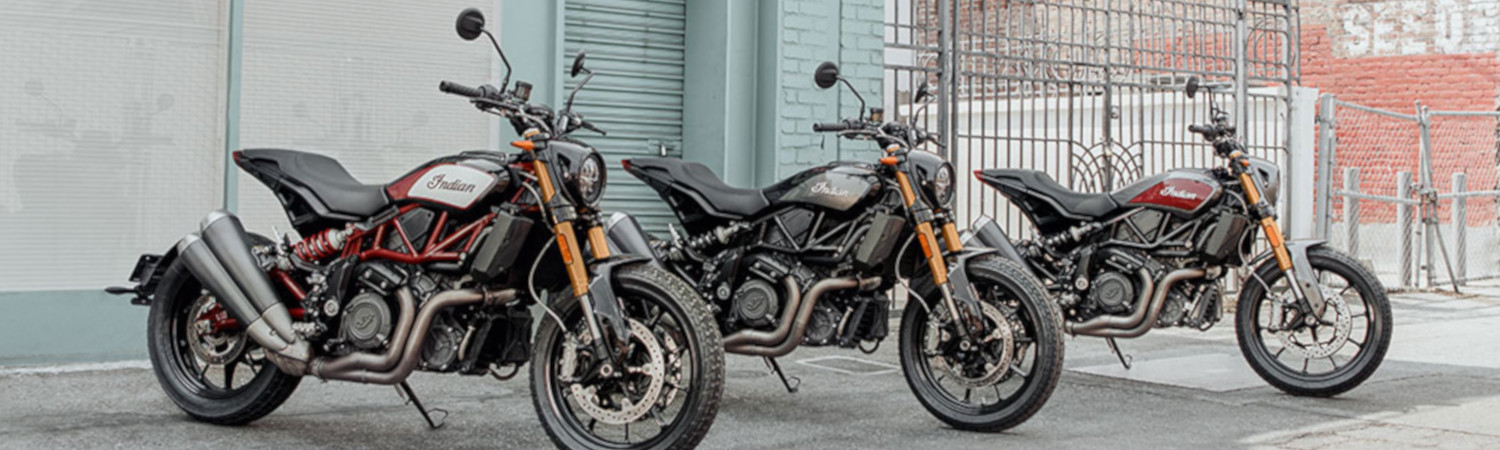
[110,131]
[356,81]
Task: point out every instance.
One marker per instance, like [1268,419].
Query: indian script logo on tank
[450,184]
[1172,191]
[827,188]
[456,185]
[1176,192]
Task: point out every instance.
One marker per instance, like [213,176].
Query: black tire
[641,287]
[175,364]
[1039,318]
[1301,381]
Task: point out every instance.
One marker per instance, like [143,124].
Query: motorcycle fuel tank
[1183,191]
[452,182]
[834,186]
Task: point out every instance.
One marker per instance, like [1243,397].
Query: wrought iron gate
[1089,91]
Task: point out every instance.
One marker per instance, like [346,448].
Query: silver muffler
[220,257]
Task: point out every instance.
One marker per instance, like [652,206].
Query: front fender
[987,233]
[606,307]
[625,236]
[1306,279]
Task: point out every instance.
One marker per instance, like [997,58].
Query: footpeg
[792,384]
[404,390]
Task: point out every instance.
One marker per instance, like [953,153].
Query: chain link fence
[1412,195]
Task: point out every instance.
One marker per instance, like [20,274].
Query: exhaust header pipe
[220,257]
[789,333]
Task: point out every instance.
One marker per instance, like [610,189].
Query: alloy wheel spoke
[1020,372]
[229,374]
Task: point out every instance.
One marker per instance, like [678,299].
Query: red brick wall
[1380,146]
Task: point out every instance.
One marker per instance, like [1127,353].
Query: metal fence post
[1327,140]
[1241,83]
[1403,223]
[947,79]
[1351,212]
[1460,227]
[1424,180]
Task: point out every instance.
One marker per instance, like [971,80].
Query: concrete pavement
[1440,387]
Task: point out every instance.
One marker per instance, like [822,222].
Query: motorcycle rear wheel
[198,369]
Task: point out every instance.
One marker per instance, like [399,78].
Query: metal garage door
[636,49]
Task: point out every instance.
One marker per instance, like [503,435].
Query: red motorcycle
[438,271]
[1310,320]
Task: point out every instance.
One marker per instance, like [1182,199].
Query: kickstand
[791,384]
[406,393]
[1124,360]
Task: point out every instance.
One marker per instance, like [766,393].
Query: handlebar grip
[1200,129]
[822,127]
[459,89]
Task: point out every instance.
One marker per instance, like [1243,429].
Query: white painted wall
[112,116]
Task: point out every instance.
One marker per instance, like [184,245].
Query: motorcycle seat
[699,181]
[1080,205]
[321,176]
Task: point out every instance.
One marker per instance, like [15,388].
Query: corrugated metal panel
[636,49]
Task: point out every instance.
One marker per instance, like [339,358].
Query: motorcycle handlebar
[1201,129]
[460,90]
[822,127]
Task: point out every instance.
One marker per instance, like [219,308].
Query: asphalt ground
[1439,387]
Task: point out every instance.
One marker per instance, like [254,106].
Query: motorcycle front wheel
[1308,354]
[666,396]
[1006,377]
[216,375]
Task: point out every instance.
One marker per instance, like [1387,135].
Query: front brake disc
[622,407]
[993,370]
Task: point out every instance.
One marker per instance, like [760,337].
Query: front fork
[1298,270]
[606,304]
[971,324]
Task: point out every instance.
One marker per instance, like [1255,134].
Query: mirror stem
[569,106]
[856,95]
[504,84]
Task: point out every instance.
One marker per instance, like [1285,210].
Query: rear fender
[146,275]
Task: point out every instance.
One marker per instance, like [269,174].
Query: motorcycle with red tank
[439,271]
[1310,320]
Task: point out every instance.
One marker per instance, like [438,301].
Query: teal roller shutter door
[636,49]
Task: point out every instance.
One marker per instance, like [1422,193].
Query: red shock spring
[321,245]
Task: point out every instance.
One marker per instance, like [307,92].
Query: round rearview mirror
[923,93]
[577,63]
[1192,87]
[470,24]
[827,75]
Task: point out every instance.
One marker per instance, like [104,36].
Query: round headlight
[940,186]
[588,182]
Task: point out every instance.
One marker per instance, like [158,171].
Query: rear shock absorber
[321,245]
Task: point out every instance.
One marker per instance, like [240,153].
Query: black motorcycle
[439,271]
[1310,320]
[809,261]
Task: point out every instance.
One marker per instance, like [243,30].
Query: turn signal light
[524,145]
